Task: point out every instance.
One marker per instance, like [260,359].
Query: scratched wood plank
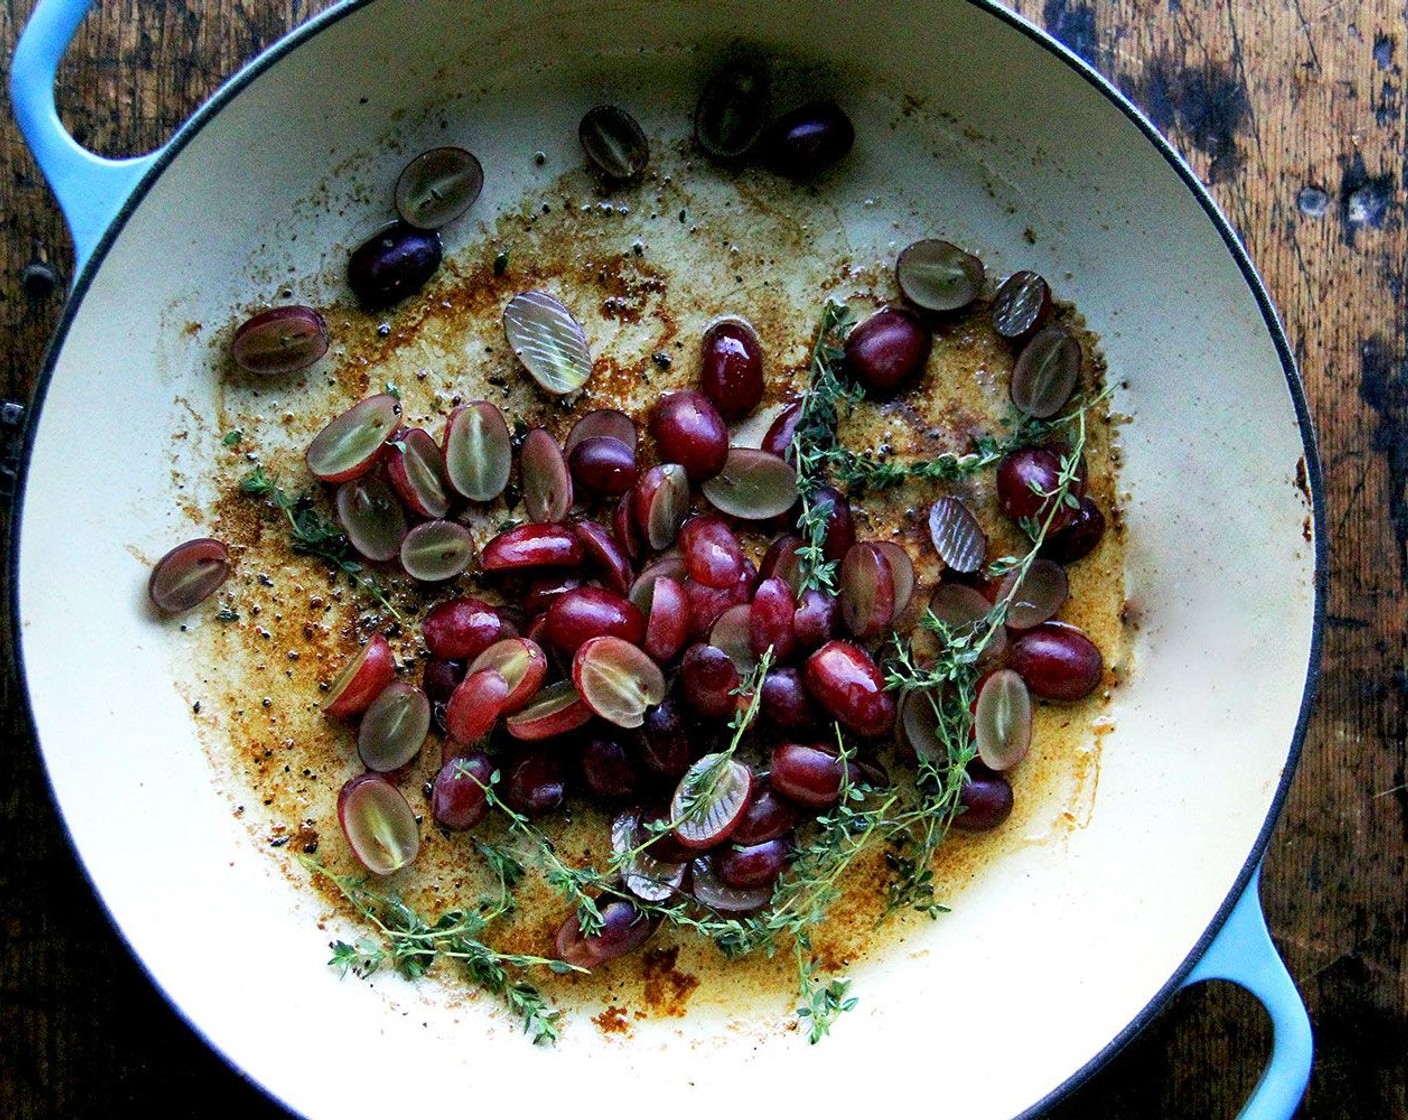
[1292,112]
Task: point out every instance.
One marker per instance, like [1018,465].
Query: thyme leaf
[411,944]
[315,534]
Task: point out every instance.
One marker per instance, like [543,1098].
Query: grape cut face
[188,575]
[708,803]
[280,340]
[1002,720]
[437,550]
[371,516]
[548,341]
[753,485]
[394,727]
[617,680]
[379,824]
[478,451]
[438,186]
[352,442]
[939,276]
[957,536]
[614,142]
[1046,373]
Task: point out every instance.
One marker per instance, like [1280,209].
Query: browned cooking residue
[644,286]
[614,1020]
[667,990]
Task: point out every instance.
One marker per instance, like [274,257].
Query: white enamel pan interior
[1010,134]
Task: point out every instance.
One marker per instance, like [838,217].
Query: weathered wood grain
[1293,112]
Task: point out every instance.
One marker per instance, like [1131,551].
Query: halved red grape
[732,112]
[770,621]
[624,527]
[188,575]
[624,929]
[902,572]
[845,680]
[459,798]
[548,341]
[586,612]
[603,465]
[731,633]
[867,591]
[781,560]
[439,676]
[608,423]
[938,276]
[919,721]
[712,554]
[689,430]
[555,710]
[280,340]
[646,877]
[713,892]
[371,517]
[809,775]
[521,662]
[532,546]
[746,867]
[617,680]
[359,681]
[840,531]
[964,610]
[601,549]
[475,705]
[438,186]
[1002,720]
[394,727]
[887,350]
[708,803]
[351,442]
[379,824]
[1046,373]
[661,504]
[478,451]
[781,432]
[415,467]
[1021,305]
[706,604]
[669,565]
[709,681]
[753,485]
[731,369]
[957,536]
[547,483]
[435,551]
[667,620]
[1058,662]
[1036,596]
[614,142]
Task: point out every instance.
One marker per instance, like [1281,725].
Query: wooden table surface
[1293,112]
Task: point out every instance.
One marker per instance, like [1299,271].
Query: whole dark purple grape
[608,769]
[986,798]
[392,264]
[805,142]
[1078,537]
[887,350]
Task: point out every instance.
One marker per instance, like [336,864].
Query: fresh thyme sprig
[413,944]
[702,790]
[815,439]
[573,883]
[822,1002]
[315,534]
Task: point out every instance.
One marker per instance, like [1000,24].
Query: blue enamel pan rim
[299,35]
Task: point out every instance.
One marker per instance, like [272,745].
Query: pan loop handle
[91,190]
[1243,953]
